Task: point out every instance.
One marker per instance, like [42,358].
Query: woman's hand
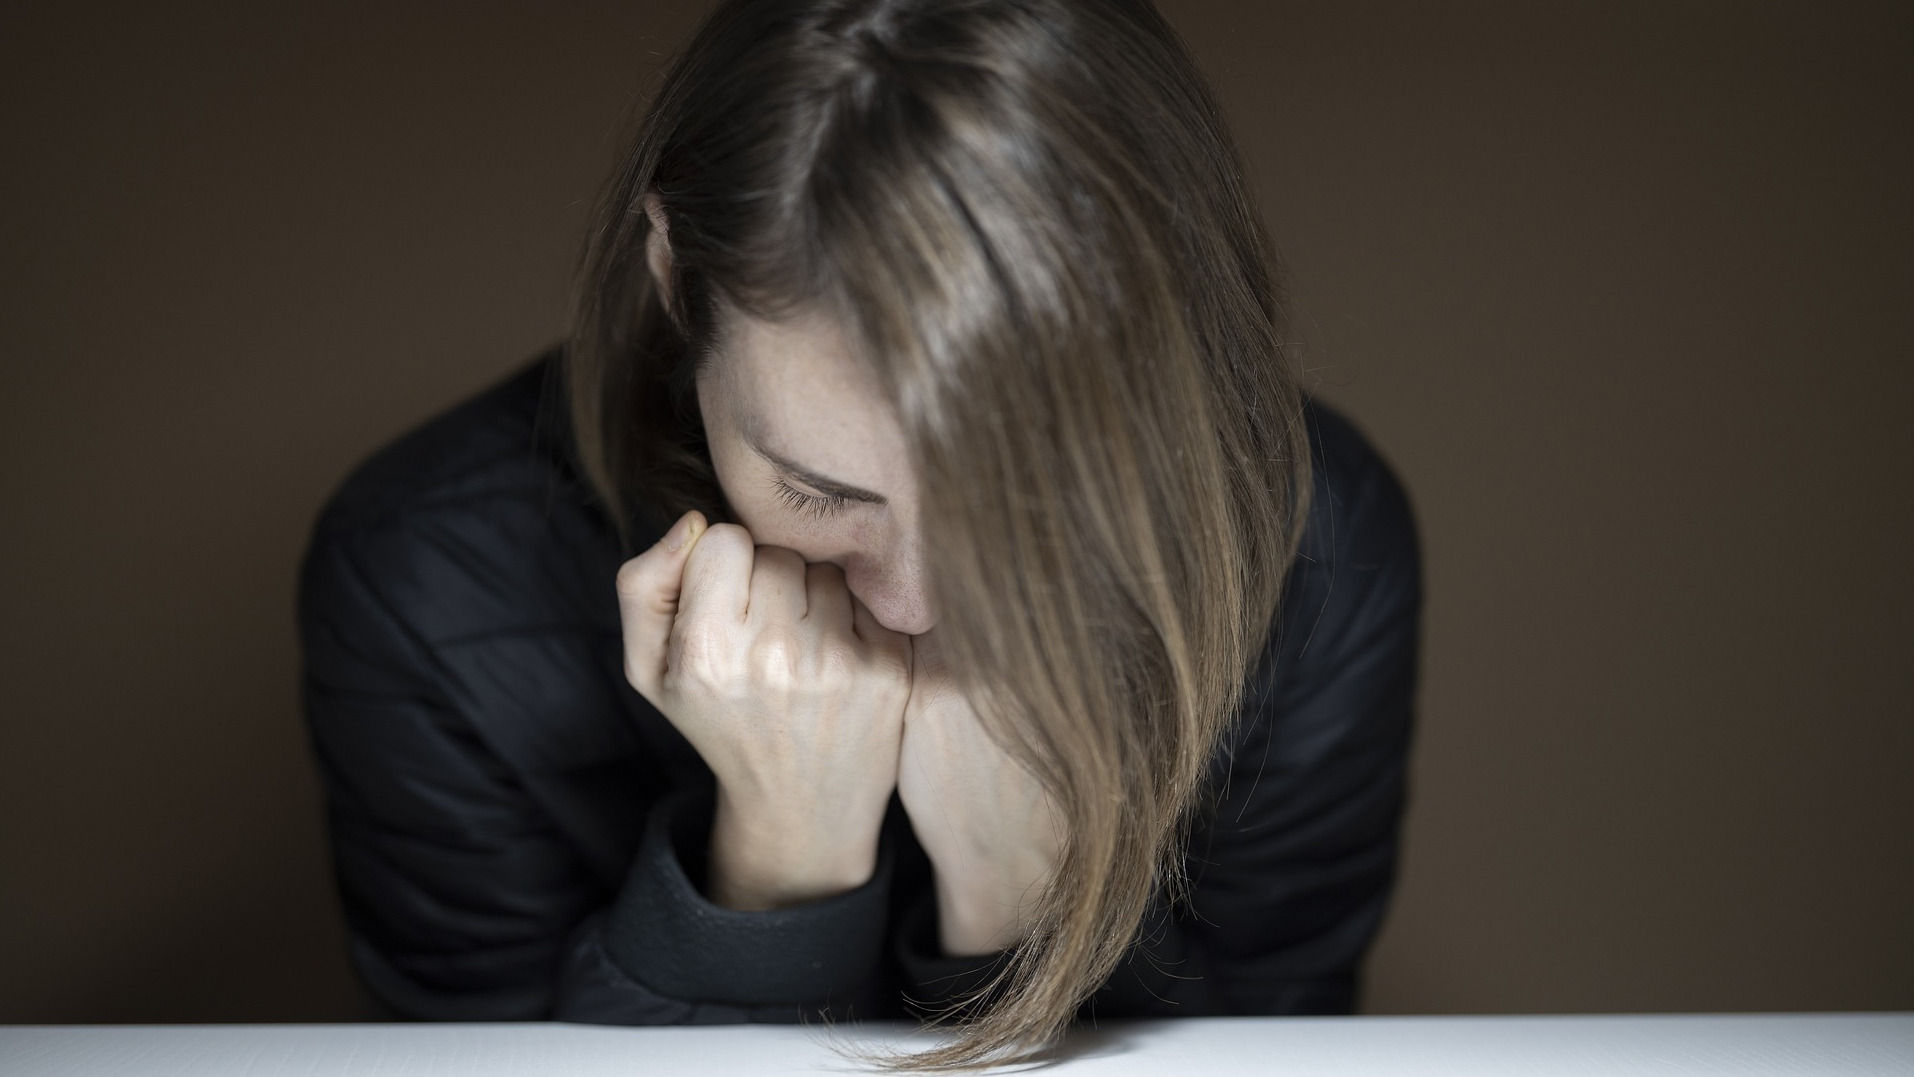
[791,692]
[986,823]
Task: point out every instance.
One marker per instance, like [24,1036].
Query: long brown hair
[1033,226]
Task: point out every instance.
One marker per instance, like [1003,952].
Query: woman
[917,585]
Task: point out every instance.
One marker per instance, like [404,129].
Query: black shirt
[517,834]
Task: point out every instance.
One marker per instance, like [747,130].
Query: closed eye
[809,504]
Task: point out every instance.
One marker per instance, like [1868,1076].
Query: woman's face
[811,458]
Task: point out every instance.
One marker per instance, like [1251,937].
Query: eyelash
[810,504]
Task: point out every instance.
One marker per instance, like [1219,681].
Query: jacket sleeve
[1292,872]
[462,899]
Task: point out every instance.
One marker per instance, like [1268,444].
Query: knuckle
[777,657]
[698,649]
[836,669]
[720,545]
[631,577]
[725,538]
[838,658]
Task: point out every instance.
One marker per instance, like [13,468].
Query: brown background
[1623,291]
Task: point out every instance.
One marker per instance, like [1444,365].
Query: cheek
[834,540]
[750,493]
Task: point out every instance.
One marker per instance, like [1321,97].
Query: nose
[911,621]
[896,593]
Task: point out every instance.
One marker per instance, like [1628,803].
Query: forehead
[799,390]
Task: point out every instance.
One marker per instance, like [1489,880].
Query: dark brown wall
[1622,291]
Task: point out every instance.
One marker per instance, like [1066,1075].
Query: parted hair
[1033,227]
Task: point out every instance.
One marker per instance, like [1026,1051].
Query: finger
[777,585]
[650,586]
[827,599]
[718,573]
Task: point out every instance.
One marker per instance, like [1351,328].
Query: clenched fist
[791,692]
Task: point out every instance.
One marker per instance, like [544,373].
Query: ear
[658,248]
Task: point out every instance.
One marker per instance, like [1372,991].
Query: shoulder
[1360,511]
[472,520]
[479,447]
[1357,574]
[458,618]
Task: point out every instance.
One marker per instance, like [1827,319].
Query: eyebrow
[824,484]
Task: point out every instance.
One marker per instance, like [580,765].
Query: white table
[1741,1045]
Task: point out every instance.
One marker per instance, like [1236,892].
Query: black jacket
[517,834]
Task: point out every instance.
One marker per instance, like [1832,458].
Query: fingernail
[679,534]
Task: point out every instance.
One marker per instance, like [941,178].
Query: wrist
[761,858]
[975,920]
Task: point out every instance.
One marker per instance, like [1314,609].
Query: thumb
[648,589]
